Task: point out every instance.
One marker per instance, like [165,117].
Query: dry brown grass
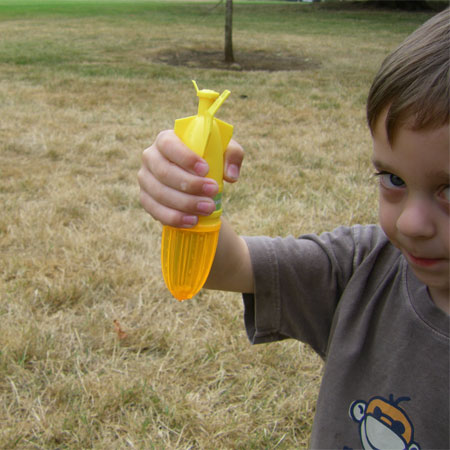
[80,98]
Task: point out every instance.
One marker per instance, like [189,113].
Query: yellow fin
[226,132]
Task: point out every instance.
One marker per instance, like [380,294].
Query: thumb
[234,155]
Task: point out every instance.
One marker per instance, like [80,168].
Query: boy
[372,301]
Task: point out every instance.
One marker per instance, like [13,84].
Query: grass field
[82,92]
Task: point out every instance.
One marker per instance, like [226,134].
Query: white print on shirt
[383,424]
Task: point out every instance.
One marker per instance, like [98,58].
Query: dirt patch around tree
[257,60]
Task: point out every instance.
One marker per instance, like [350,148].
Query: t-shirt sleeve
[299,281]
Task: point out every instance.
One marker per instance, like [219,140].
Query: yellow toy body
[187,253]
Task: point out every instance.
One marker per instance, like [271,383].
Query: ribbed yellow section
[186,257]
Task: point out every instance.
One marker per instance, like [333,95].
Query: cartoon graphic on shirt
[383,424]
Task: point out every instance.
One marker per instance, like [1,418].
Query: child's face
[414,201]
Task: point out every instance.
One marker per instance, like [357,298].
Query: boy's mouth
[423,262]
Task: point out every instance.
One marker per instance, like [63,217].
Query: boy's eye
[446,193]
[390,181]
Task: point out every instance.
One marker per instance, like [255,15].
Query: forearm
[232,269]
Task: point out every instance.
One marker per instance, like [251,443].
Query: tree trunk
[229,57]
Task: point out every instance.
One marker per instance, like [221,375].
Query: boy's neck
[441,299]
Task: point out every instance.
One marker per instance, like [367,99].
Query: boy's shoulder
[371,235]
[361,251]
[361,241]
[370,238]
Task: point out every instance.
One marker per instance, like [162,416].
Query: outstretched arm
[232,268]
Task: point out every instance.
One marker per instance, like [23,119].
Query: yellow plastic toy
[187,253]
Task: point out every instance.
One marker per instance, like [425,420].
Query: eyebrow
[379,165]
[439,174]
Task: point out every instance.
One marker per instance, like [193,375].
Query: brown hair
[413,81]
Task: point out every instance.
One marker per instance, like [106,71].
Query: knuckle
[141,176]
[143,199]
[161,139]
[148,205]
[162,134]
[146,154]
[164,140]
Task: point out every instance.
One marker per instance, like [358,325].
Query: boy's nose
[416,219]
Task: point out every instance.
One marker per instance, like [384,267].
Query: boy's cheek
[445,237]
[387,219]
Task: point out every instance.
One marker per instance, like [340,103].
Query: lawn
[94,352]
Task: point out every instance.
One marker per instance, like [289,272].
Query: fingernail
[205,207]
[210,188]
[233,171]
[201,168]
[189,221]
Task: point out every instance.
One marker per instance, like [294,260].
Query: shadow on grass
[256,60]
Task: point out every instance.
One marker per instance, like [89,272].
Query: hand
[174,189]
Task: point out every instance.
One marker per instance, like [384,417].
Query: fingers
[234,156]
[173,186]
[171,206]
[175,151]
[179,175]
[174,189]
[165,215]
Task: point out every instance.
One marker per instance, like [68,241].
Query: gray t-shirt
[351,295]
